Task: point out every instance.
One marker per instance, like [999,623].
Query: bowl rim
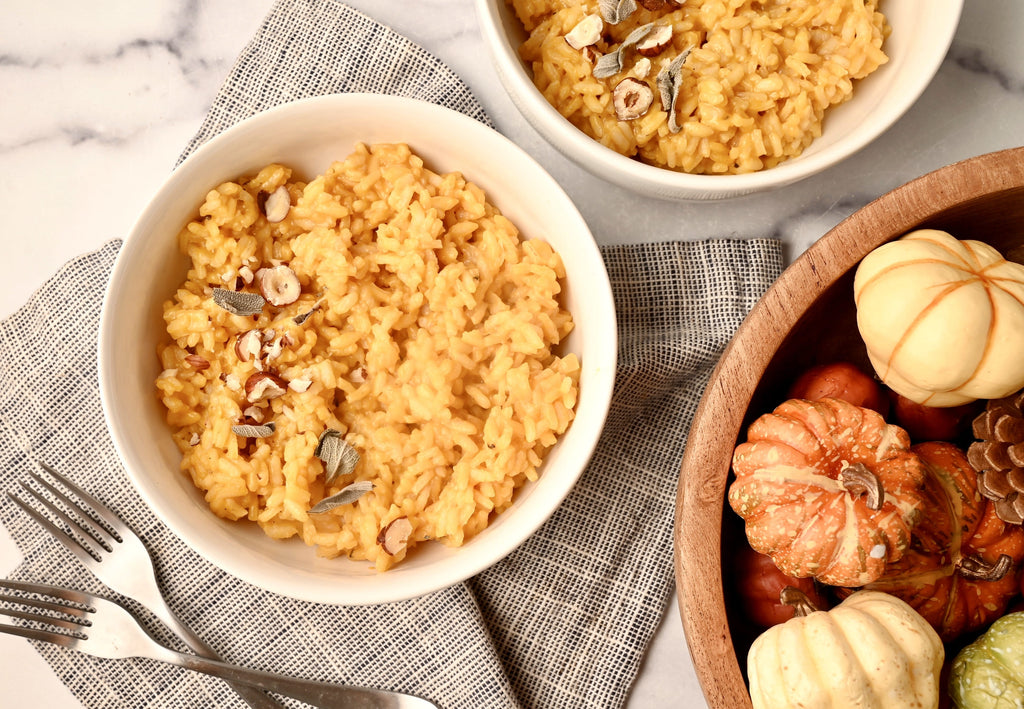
[470,559]
[668,184]
[700,495]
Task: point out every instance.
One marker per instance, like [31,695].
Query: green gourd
[989,673]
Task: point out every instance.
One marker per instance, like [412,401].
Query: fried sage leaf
[338,456]
[247,430]
[669,80]
[239,302]
[348,494]
[615,11]
[303,317]
[611,63]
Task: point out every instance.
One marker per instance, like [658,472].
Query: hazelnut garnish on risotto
[279,285]
[632,99]
[394,536]
[586,32]
[277,204]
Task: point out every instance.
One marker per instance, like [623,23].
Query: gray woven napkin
[564,621]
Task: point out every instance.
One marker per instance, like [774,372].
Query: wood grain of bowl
[807,317]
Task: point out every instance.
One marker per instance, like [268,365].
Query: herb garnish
[247,430]
[615,11]
[612,62]
[338,456]
[239,302]
[669,80]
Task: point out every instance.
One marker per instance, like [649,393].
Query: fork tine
[74,545]
[114,522]
[71,617]
[35,634]
[72,625]
[96,527]
[90,527]
[67,595]
[41,605]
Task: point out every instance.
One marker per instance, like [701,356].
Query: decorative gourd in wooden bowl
[806,319]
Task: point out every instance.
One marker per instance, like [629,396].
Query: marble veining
[977,61]
[99,100]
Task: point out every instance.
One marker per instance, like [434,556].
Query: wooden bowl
[807,317]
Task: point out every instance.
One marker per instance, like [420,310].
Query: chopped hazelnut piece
[642,68]
[249,344]
[253,412]
[193,439]
[631,99]
[232,382]
[279,285]
[246,274]
[586,32]
[590,54]
[277,205]
[273,349]
[300,384]
[395,535]
[357,375]
[656,41]
[653,4]
[264,385]
[197,362]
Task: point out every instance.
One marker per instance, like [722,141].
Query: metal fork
[104,628]
[117,557]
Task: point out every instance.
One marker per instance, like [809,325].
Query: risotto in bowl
[691,99]
[349,360]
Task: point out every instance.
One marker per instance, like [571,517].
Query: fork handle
[319,694]
[253,697]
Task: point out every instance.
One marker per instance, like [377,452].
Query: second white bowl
[922,31]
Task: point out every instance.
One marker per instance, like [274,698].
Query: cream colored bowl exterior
[922,33]
[309,135]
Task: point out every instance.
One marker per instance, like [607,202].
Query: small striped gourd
[872,651]
[942,319]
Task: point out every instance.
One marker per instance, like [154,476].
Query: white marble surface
[97,101]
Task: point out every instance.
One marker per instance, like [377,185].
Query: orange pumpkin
[840,380]
[828,490]
[964,565]
[759,585]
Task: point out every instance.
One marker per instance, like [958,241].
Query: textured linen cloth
[564,621]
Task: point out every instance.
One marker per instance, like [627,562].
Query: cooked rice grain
[432,348]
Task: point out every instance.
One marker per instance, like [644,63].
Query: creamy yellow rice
[431,347]
[754,90]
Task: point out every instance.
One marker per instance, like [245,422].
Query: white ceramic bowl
[309,135]
[922,32]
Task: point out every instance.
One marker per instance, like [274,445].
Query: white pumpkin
[943,319]
[872,651]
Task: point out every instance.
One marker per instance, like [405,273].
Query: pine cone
[998,456]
